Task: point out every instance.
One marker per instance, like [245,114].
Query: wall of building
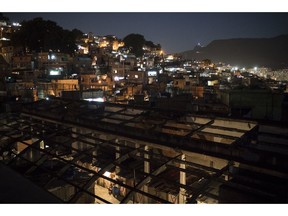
[55,87]
[263,104]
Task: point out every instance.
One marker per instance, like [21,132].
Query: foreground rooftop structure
[86,152]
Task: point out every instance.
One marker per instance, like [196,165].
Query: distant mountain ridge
[245,52]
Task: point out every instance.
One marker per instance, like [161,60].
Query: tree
[77,34]
[152,45]
[135,42]
[44,35]
[3,18]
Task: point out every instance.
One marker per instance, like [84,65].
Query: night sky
[176,32]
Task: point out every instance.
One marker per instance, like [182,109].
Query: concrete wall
[264,104]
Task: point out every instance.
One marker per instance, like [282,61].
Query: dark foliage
[44,35]
[135,42]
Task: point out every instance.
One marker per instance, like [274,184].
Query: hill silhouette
[245,52]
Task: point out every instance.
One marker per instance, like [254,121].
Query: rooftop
[79,142]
